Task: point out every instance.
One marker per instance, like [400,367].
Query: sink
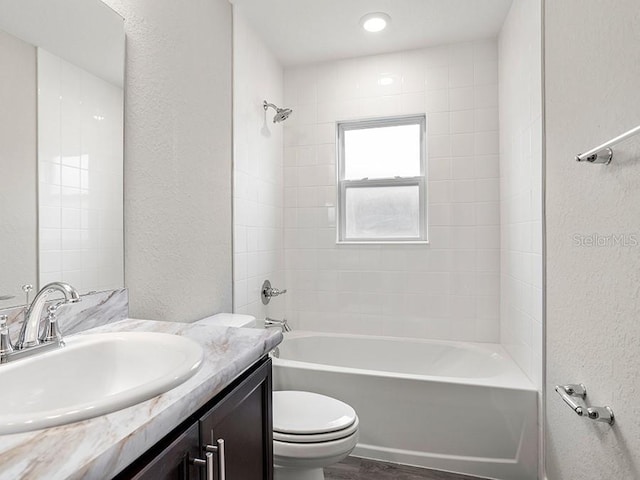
[91,376]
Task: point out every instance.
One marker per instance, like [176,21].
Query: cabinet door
[174,462]
[243,420]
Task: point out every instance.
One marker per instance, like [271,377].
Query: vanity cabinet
[237,423]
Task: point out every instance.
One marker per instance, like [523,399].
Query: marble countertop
[101,447]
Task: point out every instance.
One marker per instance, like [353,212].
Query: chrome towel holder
[599,414]
[603,153]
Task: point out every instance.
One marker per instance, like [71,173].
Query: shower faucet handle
[268,292]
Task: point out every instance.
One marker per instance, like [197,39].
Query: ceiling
[308,31]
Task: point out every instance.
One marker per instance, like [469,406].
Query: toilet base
[284,473]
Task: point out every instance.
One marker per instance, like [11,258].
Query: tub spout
[272,322]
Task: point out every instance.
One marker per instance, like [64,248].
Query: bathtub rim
[513,379]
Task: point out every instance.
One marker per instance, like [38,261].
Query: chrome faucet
[272,322]
[29,334]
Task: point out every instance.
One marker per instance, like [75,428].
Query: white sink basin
[91,376]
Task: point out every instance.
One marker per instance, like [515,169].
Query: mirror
[61,146]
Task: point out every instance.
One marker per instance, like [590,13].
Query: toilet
[310,431]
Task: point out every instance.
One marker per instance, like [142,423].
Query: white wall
[257,194]
[521,186]
[80,177]
[593,332]
[18,209]
[178,157]
[448,289]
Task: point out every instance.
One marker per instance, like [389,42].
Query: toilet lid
[306,413]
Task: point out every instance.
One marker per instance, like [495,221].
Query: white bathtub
[460,407]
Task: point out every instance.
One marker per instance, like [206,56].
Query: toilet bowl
[310,432]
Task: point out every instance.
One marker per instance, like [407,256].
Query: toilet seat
[317,437]
[313,454]
[307,414]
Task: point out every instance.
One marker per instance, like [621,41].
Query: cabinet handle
[207,464]
[219,449]
[210,469]
[199,463]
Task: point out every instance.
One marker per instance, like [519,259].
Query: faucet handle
[267,292]
[27,289]
[6,346]
[51,331]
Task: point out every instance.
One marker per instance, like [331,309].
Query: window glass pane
[383,152]
[382,212]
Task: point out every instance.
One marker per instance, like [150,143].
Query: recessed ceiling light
[375,22]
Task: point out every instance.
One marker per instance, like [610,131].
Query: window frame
[343,184]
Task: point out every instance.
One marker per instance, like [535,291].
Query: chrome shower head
[281,113]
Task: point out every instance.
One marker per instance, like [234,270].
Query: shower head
[281,113]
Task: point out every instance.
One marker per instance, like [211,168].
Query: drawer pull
[210,466]
[219,449]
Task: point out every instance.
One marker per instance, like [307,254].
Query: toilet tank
[229,320]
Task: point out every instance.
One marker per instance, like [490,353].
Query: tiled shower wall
[448,289]
[257,194]
[521,186]
[80,177]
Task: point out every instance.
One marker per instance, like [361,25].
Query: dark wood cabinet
[238,419]
[243,421]
[174,462]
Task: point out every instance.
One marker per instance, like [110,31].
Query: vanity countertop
[101,447]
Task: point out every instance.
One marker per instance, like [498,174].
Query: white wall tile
[462,98]
[462,121]
[437,79]
[462,145]
[520,176]
[271,182]
[437,100]
[461,74]
[81,226]
[417,291]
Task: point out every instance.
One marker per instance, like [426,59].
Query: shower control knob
[268,292]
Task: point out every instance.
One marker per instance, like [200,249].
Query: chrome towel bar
[603,153]
[599,414]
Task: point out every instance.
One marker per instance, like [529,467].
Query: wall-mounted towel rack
[603,153]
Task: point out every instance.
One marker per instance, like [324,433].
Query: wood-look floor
[354,468]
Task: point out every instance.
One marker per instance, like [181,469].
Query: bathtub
[454,406]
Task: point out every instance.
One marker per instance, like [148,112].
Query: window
[381,190]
